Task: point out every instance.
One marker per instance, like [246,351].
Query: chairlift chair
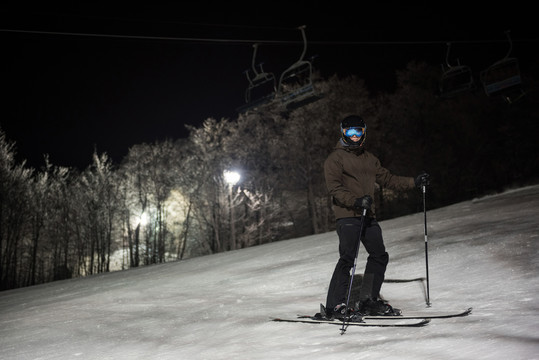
[262,86]
[455,79]
[503,77]
[295,87]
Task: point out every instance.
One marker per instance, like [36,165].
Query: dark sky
[87,77]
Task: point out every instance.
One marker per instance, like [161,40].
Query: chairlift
[295,84]
[262,86]
[503,77]
[455,79]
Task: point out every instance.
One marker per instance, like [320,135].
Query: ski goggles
[357,131]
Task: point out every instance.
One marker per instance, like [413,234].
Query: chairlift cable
[250,41]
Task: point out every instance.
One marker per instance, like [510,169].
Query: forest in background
[168,200]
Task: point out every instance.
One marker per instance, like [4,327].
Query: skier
[351,173]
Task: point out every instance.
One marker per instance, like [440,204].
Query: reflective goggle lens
[354,131]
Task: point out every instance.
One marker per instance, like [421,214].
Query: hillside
[482,254]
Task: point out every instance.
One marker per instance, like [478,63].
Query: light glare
[231,177]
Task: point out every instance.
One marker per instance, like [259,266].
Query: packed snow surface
[482,254]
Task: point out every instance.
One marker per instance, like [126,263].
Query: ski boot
[341,312]
[370,307]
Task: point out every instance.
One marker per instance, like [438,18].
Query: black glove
[422,179]
[364,202]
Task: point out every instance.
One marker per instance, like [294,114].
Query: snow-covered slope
[482,253]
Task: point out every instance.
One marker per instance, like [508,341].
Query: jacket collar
[353,149]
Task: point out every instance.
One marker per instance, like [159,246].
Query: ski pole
[426,242]
[365,205]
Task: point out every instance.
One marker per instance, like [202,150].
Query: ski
[422,315]
[403,280]
[398,323]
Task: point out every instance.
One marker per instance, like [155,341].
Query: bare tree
[38,214]
[14,187]
[149,174]
[207,149]
[98,187]
[253,147]
[62,225]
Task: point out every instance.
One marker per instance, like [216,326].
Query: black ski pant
[377,260]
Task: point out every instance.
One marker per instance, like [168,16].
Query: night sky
[107,78]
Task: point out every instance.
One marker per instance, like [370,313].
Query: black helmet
[353,125]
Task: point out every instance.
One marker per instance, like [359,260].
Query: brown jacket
[351,174]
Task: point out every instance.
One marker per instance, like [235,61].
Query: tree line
[169,200]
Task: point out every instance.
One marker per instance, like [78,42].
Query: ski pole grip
[366,202]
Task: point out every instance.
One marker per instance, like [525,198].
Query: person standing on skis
[351,173]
